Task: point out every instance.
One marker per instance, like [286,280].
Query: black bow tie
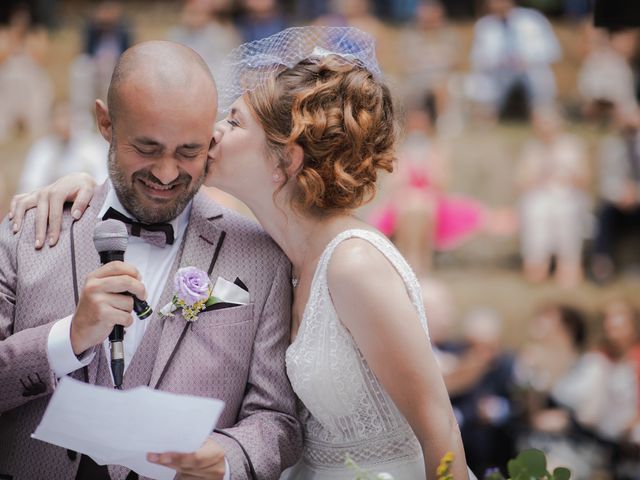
[158,234]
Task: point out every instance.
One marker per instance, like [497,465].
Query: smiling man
[158,139]
[57,305]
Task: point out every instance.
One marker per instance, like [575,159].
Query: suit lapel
[198,248]
[84,257]
[142,363]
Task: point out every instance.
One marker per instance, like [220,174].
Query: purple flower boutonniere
[192,294]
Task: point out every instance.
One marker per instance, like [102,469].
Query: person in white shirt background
[512,46]
[63,151]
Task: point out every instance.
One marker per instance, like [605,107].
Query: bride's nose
[217,136]
[218,130]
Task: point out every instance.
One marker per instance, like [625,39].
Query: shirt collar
[179,223]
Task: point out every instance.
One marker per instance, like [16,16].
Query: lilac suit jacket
[235,354]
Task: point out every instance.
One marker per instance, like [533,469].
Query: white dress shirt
[529,37]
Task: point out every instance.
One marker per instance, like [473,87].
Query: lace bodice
[346,408]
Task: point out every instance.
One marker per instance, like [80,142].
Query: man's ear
[104,121]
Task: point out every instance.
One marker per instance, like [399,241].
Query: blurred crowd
[507,74]
[570,390]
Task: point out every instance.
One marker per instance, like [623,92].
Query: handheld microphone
[110,237]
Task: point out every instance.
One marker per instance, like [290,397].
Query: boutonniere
[192,294]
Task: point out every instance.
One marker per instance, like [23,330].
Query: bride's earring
[277,177]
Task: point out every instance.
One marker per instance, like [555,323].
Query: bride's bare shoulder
[356,260]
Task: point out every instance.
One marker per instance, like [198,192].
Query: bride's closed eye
[233,123]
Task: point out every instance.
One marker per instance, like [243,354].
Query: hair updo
[342,117]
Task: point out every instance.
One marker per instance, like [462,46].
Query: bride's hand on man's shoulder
[49,203]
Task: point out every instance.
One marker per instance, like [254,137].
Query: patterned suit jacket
[235,354]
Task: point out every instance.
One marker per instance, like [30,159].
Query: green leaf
[516,470]
[211,301]
[561,473]
[534,460]
[528,464]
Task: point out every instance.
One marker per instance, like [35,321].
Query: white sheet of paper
[121,427]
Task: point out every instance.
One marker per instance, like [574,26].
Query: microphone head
[110,236]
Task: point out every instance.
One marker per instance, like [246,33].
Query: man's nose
[166,170]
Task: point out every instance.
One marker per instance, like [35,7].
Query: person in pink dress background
[418,214]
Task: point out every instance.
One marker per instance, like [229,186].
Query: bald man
[58,305]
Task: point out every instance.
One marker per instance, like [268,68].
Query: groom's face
[158,152]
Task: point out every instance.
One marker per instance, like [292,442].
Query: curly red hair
[343,119]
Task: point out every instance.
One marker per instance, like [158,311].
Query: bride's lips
[158,191]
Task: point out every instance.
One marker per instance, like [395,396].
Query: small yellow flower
[442,472]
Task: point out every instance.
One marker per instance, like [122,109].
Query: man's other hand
[206,462]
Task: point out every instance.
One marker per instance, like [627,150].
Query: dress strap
[383,245]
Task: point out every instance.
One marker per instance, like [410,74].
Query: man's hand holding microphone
[109,296]
[103,304]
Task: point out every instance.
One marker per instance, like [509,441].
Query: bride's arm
[372,302]
[49,203]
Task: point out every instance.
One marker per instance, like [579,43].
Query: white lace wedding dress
[346,410]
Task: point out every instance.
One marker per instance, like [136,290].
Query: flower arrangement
[192,294]
[528,465]
[363,474]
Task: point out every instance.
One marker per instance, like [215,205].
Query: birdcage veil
[251,64]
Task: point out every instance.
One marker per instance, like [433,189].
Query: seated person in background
[478,374]
[562,392]
[107,34]
[619,191]
[259,19]
[419,214]
[602,92]
[480,387]
[63,151]
[513,48]
[360,14]
[620,420]
[411,213]
[552,178]
[205,28]
[26,91]
[428,54]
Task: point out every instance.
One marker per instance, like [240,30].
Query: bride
[310,124]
